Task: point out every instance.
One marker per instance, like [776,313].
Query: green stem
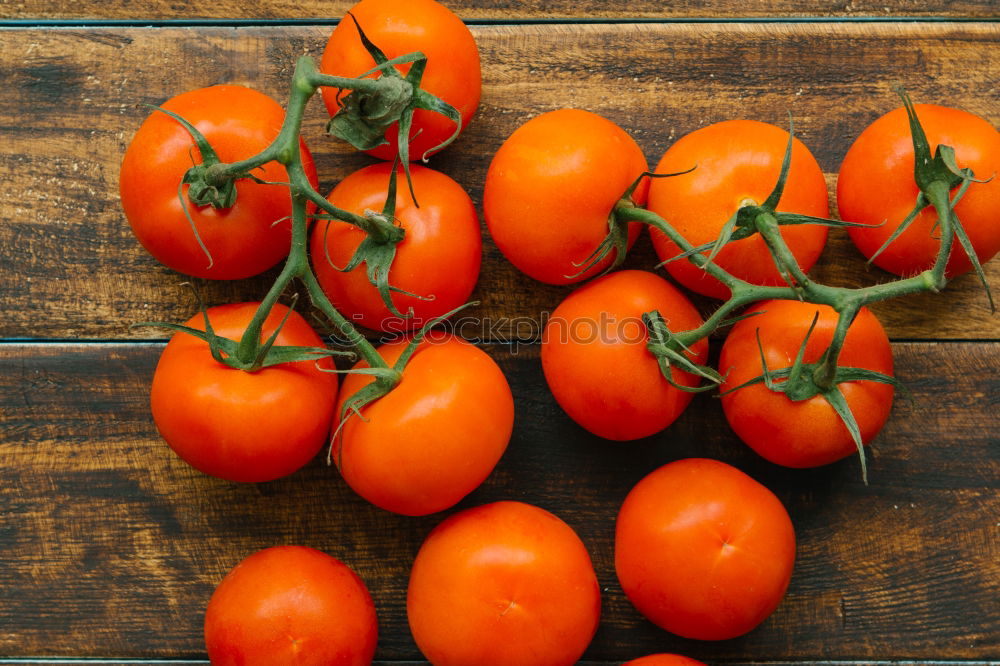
[631,212]
[825,375]
[286,148]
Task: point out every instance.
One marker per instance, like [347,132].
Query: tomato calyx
[367,113]
[617,238]
[378,250]
[385,380]
[804,381]
[936,176]
[671,352]
[251,358]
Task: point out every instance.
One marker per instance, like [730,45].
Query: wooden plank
[505,10]
[110,546]
[72,269]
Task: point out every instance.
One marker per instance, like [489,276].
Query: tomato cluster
[738,211]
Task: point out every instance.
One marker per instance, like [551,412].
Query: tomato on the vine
[238,425]
[551,187]
[737,163]
[596,360]
[876,187]
[437,261]
[501,584]
[291,605]
[243,240]
[397,28]
[804,433]
[436,436]
[702,550]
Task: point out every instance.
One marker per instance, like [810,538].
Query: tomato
[501,584]
[291,605]
[737,164]
[809,432]
[702,550]
[438,258]
[664,660]
[243,240]
[876,187]
[551,187]
[596,362]
[436,436]
[399,28]
[238,425]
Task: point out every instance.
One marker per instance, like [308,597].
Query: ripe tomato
[703,550]
[551,187]
[291,605]
[436,436]
[238,425]
[398,28]
[809,432]
[738,162]
[438,258]
[664,660]
[876,186]
[596,362]
[243,240]
[501,584]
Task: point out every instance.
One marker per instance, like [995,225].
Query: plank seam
[292,22]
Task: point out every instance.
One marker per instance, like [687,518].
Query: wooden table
[110,545]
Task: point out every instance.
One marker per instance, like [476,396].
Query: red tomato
[551,186]
[738,162]
[809,432]
[436,436]
[502,584]
[243,240]
[596,362]
[876,186]
[398,28]
[664,660]
[703,550]
[439,257]
[238,425]
[291,605]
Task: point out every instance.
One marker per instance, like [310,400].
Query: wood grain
[72,269]
[110,546]
[505,10]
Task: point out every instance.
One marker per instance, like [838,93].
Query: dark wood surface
[110,545]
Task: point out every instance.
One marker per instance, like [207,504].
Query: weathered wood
[110,546]
[505,10]
[71,268]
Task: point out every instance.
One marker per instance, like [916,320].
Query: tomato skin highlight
[550,188]
[291,605]
[737,161]
[237,425]
[805,433]
[244,240]
[596,362]
[702,550]
[397,28]
[501,584]
[440,255]
[876,186]
[436,436]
